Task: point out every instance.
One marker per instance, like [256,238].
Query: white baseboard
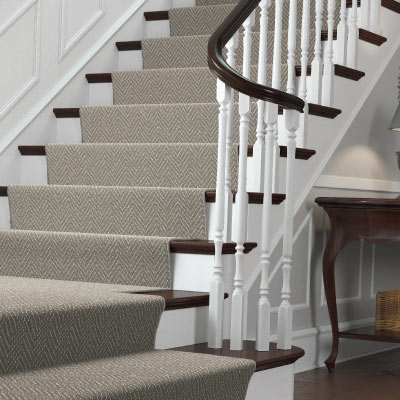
[316,343]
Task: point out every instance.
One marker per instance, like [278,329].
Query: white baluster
[258,148]
[231,47]
[341,43]
[316,65]
[305,39]
[352,45]
[285,312]
[365,14]
[216,308]
[276,83]
[329,67]
[241,197]
[264,306]
[375,21]
[291,61]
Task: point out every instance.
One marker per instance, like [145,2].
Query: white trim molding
[67,45]
[34,78]
[357,184]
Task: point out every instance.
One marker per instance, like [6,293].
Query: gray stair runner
[44,323]
[140,165]
[153,375]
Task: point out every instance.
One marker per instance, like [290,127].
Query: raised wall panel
[19,47]
[77,18]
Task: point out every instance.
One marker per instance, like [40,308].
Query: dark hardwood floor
[375,377]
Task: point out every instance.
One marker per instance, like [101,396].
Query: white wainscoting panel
[19,68]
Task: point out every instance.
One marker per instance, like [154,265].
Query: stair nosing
[156,15]
[130,45]
[264,360]
[192,300]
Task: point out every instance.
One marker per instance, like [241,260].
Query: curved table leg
[335,244]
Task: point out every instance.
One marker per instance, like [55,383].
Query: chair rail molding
[66,45]
[33,79]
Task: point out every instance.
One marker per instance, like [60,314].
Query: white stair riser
[157,29]
[276,383]
[130,60]
[100,94]
[182,327]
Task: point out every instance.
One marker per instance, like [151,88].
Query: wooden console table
[374,220]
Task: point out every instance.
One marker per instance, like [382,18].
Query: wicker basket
[388,310]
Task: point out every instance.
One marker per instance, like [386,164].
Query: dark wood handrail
[229,76]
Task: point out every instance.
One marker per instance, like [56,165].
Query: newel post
[216,308]
[285,313]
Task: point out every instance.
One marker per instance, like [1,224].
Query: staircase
[142,205]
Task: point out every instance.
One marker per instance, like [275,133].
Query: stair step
[206,247]
[156,15]
[66,112]
[86,257]
[392,5]
[154,375]
[323,111]
[254,198]
[273,358]
[364,35]
[129,45]
[143,212]
[46,323]
[301,154]
[181,299]
[340,70]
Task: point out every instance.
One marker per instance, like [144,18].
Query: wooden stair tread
[264,359]
[391,5]
[3,191]
[180,299]
[206,247]
[301,153]
[66,112]
[340,70]
[105,77]
[254,197]
[32,150]
[156,15]
[364,35]
[129,45]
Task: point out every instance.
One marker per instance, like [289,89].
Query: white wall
[46,48]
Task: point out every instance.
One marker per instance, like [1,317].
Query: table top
[357,202]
